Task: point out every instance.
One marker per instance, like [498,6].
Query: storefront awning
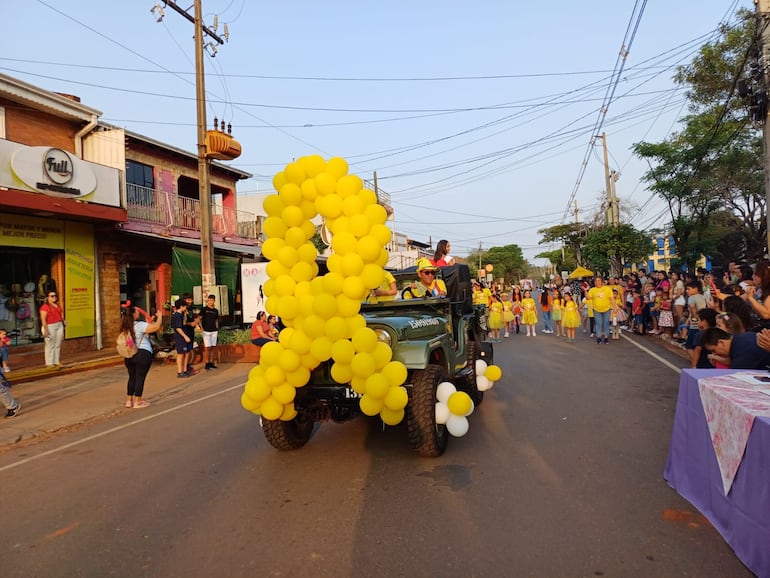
[251,250]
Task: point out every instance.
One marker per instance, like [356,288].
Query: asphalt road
[559,475]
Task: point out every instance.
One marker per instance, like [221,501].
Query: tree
[610,248]
[570,235]
[508,262]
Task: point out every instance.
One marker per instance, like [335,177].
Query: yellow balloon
[336,166]
[340,225]
[347,307]
[309,361]
[313,164]
[341,373]
[459,403]
[342,351]
[290,194]
[288,307]
[396,398]
[377,385]
[271,247]
[317,286]
[391,416]
[354,323]
[295,173]
[284,285]
[274,376]
[284,393]
[493,373]
[292,216]
[381,233]
[273,205]
[321,348]
[368,197]
[369,405]
[308,189]
[255,372]
[325,305]
[362,364]
[270,354]
[287,256]
[334,263]
[306,305]
[336,328]
[382,354]
[369,248]
[358,384]
[353,288]
[396,372]
[352,206]
[325,183]
[307,252]
[289,362]
[302,289]
[383,259]
[285,337]
[352,264]
[269,287]
[279,180]
[331,206]
[372,275]
[349,185]
[364,340]
[299,377]
[313,326]
[289,412]
[271,304]
[359,225]
[344,243]
[276,269]
[258,389]
[299,342]
[308,212]
[274,227]
[376,214]
[302,271]
[333,283]
[271,408]
[250,404]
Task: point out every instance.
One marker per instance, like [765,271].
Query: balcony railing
[170,210]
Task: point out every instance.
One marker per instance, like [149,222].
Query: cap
[425,264]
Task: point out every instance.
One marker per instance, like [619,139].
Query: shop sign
[53,171]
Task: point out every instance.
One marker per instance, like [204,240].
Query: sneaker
[598,340]
[213,366]
[506,334]
[606,341]
[13,412]
[183,374]
[592,334]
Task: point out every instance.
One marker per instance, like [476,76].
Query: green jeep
[437,339]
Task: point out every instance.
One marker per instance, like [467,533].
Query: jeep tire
[472,388]
[426,437]
[288,435]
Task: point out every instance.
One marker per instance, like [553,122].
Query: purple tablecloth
[743,516]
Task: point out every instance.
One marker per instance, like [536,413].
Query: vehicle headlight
[383,336]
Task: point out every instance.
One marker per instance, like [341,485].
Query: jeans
[547,320]
[602,323]
[53,343]
[261,340]
[5,394]
[138,366]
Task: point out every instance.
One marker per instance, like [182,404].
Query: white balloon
[444,390]
[457,425]
[442,412]
[481,367]
[470,411]
[482,383]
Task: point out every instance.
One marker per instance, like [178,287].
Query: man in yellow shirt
[603,302]
[386,291]
[428,285]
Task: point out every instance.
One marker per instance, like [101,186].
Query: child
[699,357]
[570,319]
[495,318]
[508,316]
[666,315]
[5,341]
[556,313]
[588,317]
[12,406]
[182,341]
[637,311]
[529,313]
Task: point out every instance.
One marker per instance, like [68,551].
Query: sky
[479,118]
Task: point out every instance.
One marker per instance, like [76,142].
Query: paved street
[559,475]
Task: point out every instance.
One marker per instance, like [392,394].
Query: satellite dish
[326,235]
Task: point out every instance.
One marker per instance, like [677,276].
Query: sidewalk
[87,387]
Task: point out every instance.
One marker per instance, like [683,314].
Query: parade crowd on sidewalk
[723,321]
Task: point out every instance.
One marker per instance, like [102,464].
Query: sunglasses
[52,294]
[428,272]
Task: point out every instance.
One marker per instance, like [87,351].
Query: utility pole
[612,217]
[763,31]
[208,274]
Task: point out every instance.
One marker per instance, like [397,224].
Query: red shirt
[54,313]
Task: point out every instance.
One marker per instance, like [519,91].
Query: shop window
[139,174]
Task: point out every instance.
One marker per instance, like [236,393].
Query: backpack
[125,345]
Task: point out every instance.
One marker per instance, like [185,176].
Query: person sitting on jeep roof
[428,285]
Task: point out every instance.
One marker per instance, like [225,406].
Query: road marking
[653,354]
[117,429]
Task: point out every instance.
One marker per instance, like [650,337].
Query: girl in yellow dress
[495,318]
[556,312]
[507,314]
[570,317]
[529,313]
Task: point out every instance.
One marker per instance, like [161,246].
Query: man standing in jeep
[428,285]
